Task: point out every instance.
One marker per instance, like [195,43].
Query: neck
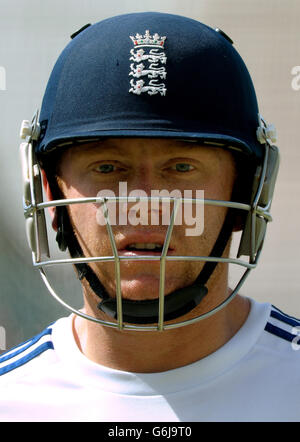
[151,352]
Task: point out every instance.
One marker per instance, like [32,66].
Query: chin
[143,288]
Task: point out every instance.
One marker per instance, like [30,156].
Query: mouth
[143,247]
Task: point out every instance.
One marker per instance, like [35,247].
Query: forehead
[154,147]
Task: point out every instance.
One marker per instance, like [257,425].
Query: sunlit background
[33,33]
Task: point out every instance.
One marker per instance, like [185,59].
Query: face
[145,165]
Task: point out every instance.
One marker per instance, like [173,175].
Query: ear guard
[36,229]
[262,194]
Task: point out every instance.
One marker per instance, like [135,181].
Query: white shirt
[254,377]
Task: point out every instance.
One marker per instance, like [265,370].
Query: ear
[52,210]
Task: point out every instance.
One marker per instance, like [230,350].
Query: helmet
[150,75]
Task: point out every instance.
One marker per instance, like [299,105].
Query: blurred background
[32,35]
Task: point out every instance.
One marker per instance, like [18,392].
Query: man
[143,115]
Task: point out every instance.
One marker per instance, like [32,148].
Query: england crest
[148,67]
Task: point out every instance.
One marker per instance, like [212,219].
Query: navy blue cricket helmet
[150,75]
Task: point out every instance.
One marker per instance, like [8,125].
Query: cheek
[91,236]
[220,187]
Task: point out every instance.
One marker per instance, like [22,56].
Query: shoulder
[283,327]
[30,358]
[281,336]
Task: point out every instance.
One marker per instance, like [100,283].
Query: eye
[183,167]
[106,168]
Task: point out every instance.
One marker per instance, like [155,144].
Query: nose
[145,182]
[143,179]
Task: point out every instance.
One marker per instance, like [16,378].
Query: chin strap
[177,303]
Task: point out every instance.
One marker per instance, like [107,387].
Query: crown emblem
[148,68]
[148,40]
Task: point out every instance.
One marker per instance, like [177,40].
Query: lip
[140,253]
[145,237]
